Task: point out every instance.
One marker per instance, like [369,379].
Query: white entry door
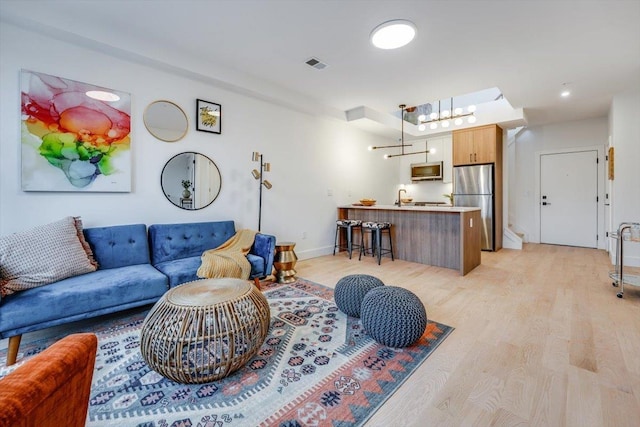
[569,198]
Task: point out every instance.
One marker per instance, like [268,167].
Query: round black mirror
[166,121]
[191,180]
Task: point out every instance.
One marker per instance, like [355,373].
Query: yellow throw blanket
[230,258]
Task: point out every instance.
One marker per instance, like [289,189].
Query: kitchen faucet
[399,199]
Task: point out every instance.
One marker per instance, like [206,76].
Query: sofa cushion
[42,255]
[83,241]
[119,245]
[180,271]
[81,297]
[184,270]
[169,242]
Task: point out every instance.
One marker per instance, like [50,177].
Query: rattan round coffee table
[204,330]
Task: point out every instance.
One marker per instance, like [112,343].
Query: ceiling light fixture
[393,34]
[565,90]
[445,117]
[402,145]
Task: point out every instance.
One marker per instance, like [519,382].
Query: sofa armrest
[53,387]
[264,246]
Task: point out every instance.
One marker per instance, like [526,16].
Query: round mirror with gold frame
[166,121]
[191,180]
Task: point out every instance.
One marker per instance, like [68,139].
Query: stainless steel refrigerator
[473,186]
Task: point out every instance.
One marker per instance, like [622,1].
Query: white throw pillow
[43,255]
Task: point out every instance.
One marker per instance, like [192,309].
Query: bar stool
[348,225]
[376,229]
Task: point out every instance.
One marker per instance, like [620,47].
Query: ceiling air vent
[316,63]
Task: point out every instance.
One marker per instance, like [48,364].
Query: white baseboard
[314,253]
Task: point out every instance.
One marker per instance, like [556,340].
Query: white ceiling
[528,49]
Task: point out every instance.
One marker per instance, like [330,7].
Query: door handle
[545,203]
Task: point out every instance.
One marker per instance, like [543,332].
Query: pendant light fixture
[445,117]
[402,145]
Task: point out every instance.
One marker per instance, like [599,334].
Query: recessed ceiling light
[102,95]
[393,34]
[565,93]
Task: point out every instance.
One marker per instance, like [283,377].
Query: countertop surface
[413,208]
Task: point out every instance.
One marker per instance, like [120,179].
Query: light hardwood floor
[541,339]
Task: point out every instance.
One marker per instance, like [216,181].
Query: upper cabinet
[482,144]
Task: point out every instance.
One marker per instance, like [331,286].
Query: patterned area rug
[316,367]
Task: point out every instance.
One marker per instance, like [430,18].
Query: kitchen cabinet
[446,237]
[482,144]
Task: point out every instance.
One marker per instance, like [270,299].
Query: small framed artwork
[209,117]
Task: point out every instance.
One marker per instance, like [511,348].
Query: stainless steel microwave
[431,171]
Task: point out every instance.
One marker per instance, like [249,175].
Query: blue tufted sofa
[136,268]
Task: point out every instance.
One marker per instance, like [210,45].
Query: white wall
[428,191]
[310,156]
[529,143]
[625,187]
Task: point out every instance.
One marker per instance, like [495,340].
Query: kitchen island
[441,236]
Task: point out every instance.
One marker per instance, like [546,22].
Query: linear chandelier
[444,117]
[402,145]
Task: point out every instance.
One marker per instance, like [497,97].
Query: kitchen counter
[443,236]
[410,207]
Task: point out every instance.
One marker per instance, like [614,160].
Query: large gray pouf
[350,290]
[393,316]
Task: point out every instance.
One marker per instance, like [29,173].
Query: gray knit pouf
[393,316]
[350,290]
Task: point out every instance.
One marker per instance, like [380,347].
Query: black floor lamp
[264,167]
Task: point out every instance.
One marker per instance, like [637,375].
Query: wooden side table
[284,262]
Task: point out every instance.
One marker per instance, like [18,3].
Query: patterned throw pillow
[85,245]
[43,255]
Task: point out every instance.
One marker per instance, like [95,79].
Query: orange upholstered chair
[53,387]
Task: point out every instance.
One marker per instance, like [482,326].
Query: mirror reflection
[191,180]
[166,121]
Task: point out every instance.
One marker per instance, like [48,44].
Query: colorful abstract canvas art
[75,136]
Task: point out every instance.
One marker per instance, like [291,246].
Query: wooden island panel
[438,237]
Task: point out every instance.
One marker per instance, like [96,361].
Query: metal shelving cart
[626,231]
